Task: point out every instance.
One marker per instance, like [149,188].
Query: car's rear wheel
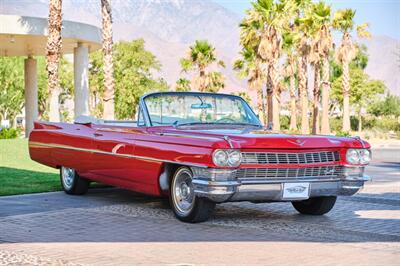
[72,183]
[315,206]
[186,206]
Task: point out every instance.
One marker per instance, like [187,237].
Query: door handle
[98,134]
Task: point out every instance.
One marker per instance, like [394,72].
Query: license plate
[296,190]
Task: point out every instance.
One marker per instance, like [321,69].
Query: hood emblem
[298,142]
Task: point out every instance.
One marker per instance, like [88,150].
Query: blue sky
[383,15]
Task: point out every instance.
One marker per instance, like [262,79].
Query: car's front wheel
[315,206]
[72,183]
[186,206]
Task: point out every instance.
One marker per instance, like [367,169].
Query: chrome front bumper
[219,185]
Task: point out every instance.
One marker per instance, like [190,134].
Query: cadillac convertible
[200,149]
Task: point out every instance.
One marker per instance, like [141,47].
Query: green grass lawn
[20,175]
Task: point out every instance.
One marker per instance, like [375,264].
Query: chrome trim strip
[360,141]
[60,146]
[215,183]
[229,141]
[351,187]
[146,115]
[311,180]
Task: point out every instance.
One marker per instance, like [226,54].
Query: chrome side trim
[67,147]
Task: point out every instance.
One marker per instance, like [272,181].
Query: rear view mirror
[201,106]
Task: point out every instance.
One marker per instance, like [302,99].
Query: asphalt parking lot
[117,227]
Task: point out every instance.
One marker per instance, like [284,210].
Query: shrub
[336,124]
[388,124]
[285,122]
[9,133]
[342,134]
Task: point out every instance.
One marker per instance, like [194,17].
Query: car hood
[250,138]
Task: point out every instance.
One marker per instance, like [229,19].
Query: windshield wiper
[176,124]
[242,124]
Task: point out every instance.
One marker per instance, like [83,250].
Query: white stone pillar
[81,80]
[31,94]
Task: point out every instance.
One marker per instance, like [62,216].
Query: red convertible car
[200,149]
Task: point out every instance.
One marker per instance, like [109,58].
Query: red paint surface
[193,146]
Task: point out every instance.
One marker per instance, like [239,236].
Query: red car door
[113,161]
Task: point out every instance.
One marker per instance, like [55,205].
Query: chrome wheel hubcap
[68,175]
[182,191]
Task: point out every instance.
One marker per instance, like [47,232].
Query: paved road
[118,227]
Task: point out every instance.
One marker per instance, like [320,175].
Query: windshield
[186,109]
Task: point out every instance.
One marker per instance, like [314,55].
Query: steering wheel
[225,119]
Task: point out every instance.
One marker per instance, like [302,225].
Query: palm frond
[362,30]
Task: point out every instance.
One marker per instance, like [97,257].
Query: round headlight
[234,158]
[220,158]
[352,156]
[365,156]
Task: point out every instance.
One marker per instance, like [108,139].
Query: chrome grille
[289,158]
[289,173]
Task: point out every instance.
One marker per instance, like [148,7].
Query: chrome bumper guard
[222,185]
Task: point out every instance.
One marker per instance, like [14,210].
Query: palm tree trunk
[108,67]
[269,104]
[293,107]
[326,90]
[305,128]
[53,50]
[54,105]
[317,95]
[273,77]
[346,97]
[202,79]
[260,105]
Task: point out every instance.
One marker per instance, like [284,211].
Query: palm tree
[53,50]
[274,18]
[323,12]
[289,41]
[200,56]
[250,66]
[321,44]
[314,59]
[108,67]
[347,51]
[305,25]
[344,21]
[182,84]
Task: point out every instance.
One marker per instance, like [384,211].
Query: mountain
[384,61]
[170,26]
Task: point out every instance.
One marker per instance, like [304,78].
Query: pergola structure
[27,36]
